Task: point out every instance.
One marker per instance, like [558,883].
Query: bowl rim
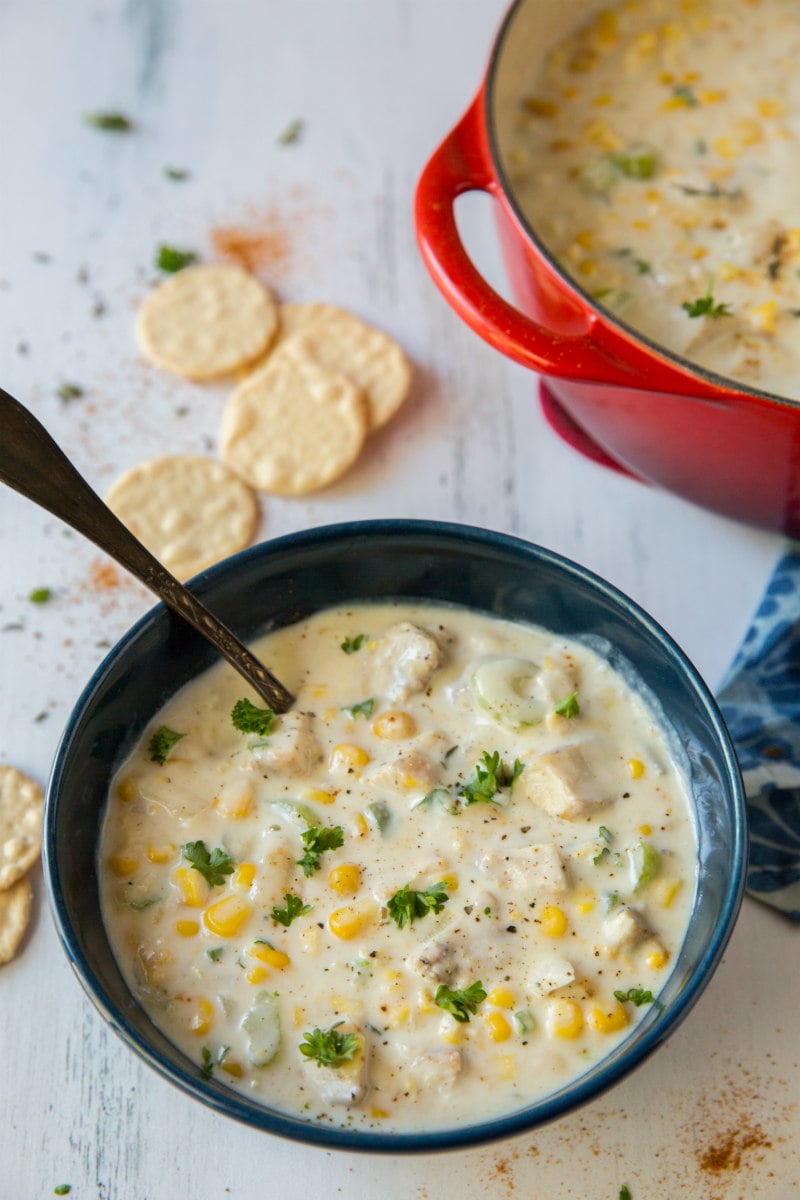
[546,1108]
[731,388]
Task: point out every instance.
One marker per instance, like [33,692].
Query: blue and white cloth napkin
[760,701]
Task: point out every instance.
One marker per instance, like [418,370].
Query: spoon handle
[34,465]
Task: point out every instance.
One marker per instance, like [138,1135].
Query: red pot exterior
[611,394]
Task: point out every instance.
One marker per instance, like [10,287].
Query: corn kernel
[602,101]
[452,1033]
[505,1068]
[585,239]
[257,975]
[645,43]
[748,131]
[609,1019]
[201,1018]
[636,768]
[126,791]
[399,1016]
[235,802]
[360,826]
[348,759]
[564,1018]
[539,108]
[645,830]
[764,316]
[450,880]
[601,134]
[123,865]
[319,691]
[656,958]
[348,922]
[394,726]
[345,879]
[501,997]
[770,108]
[712,97]
[425,1001]
[191,885]
[318,796]
[553,921]
[227,916]
[498,1026]
[585,899]
[298,1016]
[187,928]
[276,959]
[160,854]
[727,271]
[726,147]
[588,266]
[244,875]
[664,891]
[378,1114]
[231,1067]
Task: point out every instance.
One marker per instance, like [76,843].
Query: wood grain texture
[210,87]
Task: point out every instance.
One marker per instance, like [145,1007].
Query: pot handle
[462,163]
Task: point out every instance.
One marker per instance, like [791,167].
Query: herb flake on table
[407,905]
[40,595]
[162,742]
[624,1192]
[69,391]
[328,1047]
[175,174]
[291,133]
[62,1189]
[171,259]
[249,718]
[111,122]
[213,865]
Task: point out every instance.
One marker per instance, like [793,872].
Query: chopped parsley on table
[491,777]
[162,742]
[176,174]
[69,391]
[40,595]
[170,259]
[328,1047]
[407,904]
[213,865]
[316,841]
[294,908]
[291,133]
[248,718]
[460,1002]
[113,122]
[62,1189]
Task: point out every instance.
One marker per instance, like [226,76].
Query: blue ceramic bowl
[283,580]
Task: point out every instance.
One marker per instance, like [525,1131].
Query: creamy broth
[516,846]
[657,156]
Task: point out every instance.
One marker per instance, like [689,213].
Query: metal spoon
[32,463]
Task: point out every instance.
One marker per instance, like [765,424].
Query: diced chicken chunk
[549,973]
[409,772]
[406,656]
[624,929]
[277,874]
[437,1069]
[529,869]
[292,747]
[561,783]
[344,1085]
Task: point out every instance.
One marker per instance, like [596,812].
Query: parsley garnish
[40,595]
[364,709]
[213,867]
[637,996]
[162,742]
[291,133]
[62,1189]
[328,1047]
[170,259]
[704,306]
[114,122]
[598,858]
[207,1066]
[624,1192]
[684,92]
[69,391]
[605,833]
[461,1001]
[642,266]
[350,645]
[247,718]
[294,908]
[491,776]
[568,708]
[317,840]
[215,954]
[407,904]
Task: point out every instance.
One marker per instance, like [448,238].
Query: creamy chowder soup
[657,155]
[444,884]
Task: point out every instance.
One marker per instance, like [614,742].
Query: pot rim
[729,388]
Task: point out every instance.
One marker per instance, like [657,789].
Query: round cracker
[21,806]
[207,321]
[15,913]
[294,426]
[188,510]
[341,341]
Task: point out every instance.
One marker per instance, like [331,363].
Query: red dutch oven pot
[610,392]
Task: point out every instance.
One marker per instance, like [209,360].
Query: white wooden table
[211,85]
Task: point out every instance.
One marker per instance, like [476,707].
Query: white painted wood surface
[211,84]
